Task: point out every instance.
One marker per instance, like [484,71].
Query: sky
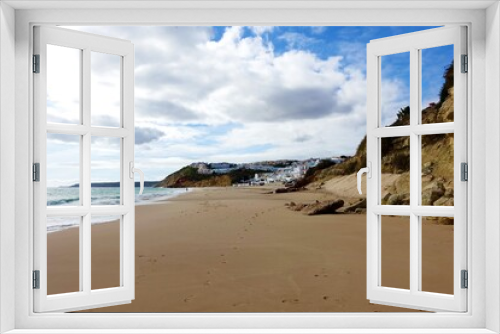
[234,94]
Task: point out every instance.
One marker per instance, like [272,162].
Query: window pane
[105,252]
[395,243]
[63,169]
[63,255]
[105,173]
[437,254]
[394,90]
[63,84]
[438,170]
[395,164]
[105,89]
[437,84]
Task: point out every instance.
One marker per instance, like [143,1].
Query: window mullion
[433,129]
[85,235]
[415,268]
[85,161]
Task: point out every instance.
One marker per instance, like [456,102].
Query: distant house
[203,169]
[222,165]
[222,170]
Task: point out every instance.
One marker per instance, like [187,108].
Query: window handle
[368,171]
[141,174]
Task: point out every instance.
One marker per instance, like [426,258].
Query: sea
[67,196]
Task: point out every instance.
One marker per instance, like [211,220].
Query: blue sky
[241,94]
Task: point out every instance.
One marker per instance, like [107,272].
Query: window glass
[437,85]
[105,89]
[395,168]
[105,171]
[437,254]
[63,255]
[395,248]
[63,169]
[438,170]
[63,84]
[106,251]
[394,89]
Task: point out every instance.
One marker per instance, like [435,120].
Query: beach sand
[241,250]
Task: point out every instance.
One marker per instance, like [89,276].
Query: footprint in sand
[224,262]
[318,275]
[188,299]
[150,259]
[290,301]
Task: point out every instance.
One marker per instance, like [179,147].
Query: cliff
[437,156]
[188,177]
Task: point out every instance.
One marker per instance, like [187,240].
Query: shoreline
[158,201]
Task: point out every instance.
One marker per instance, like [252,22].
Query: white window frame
[86,296]
[483,314]
[413,44]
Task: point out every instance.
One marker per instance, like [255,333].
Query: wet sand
[241,250]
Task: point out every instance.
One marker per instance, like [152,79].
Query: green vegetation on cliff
[188,177]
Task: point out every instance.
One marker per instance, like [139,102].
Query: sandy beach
[241,250]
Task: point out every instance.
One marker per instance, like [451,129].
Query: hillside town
[284,171]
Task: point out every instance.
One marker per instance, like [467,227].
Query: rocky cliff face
[437,155]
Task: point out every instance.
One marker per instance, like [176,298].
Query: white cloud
[292,104]
[394,96]
[259,30]
[297,40]
[318,30]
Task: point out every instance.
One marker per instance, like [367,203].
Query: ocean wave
[60,227]
[62,201]
[158,197]
[102,196]
[105,201]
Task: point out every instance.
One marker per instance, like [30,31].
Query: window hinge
[464,172]
[36,279]
[36,172]
[36,63]
[465,279]
[465,63]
